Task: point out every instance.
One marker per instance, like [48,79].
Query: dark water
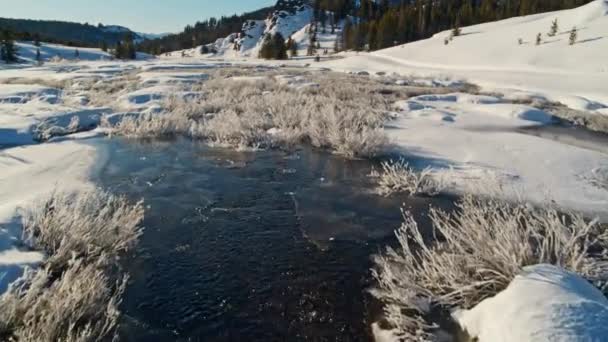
[243,246]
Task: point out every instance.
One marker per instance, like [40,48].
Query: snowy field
[468,136]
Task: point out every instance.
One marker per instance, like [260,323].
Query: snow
[544,303]
[27,52]
[471,139]
[490,56]
[28,173]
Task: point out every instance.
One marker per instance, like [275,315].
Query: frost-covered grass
[593,121]
[476,252]
[340,113]
[599,177]
[399,177]
[74,295]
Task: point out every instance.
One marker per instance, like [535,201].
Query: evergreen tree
[119,51]
[130,52]
[573,36]
[37,40]
[38,57]
[273,47]
[76,54]
[539,39]
[104,46]
[456,31]
[554,28]
[8,50]
[294,49]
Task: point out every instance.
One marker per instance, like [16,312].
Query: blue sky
[150,16]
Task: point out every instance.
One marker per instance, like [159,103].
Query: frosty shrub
[477,251]
[399,177]
[74,295]
[262,112]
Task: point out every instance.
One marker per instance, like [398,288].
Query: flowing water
[251,246]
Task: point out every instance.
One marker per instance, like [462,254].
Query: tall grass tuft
[476,252]
[74,296]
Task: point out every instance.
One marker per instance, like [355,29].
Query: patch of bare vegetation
[593,121]
[476,252]
[399,177]
[46,82]
[75,294]
[261,112]
[599,178]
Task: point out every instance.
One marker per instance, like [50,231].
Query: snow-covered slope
[27,52]
[55,52]
[490,55]
[544,303]
[291,18]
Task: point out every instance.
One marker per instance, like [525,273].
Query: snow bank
[544,303]
[26,174]
[471,139]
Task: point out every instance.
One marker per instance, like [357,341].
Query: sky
[149,16]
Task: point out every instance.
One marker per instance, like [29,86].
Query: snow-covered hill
[490,55]
[291,18]
[27,52]
[57,52]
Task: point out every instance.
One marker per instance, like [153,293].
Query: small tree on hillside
[292,46]
[573,36]
[8,50]
[266,49]
[554,28]
[38,57]
[539,39]
[456,31]
[280,50]
[104,46]
[76,54]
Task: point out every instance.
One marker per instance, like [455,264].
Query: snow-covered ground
[544,303]
[489,55]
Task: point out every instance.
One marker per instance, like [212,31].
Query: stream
[251,246]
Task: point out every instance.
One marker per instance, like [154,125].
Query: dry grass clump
[345,119]
[477,251]
[599,178]
[593,121]
[399,177]
[46,82]
[75,294]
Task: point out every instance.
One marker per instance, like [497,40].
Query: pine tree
[539,39]
[38,57]
[554,28]
[266,49]
[456,31]
[8,51]
[294,49]
[76,54]
[104,46]
[119,50]
[573,36]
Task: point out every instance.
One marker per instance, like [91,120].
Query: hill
[70,33]
[490,55]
